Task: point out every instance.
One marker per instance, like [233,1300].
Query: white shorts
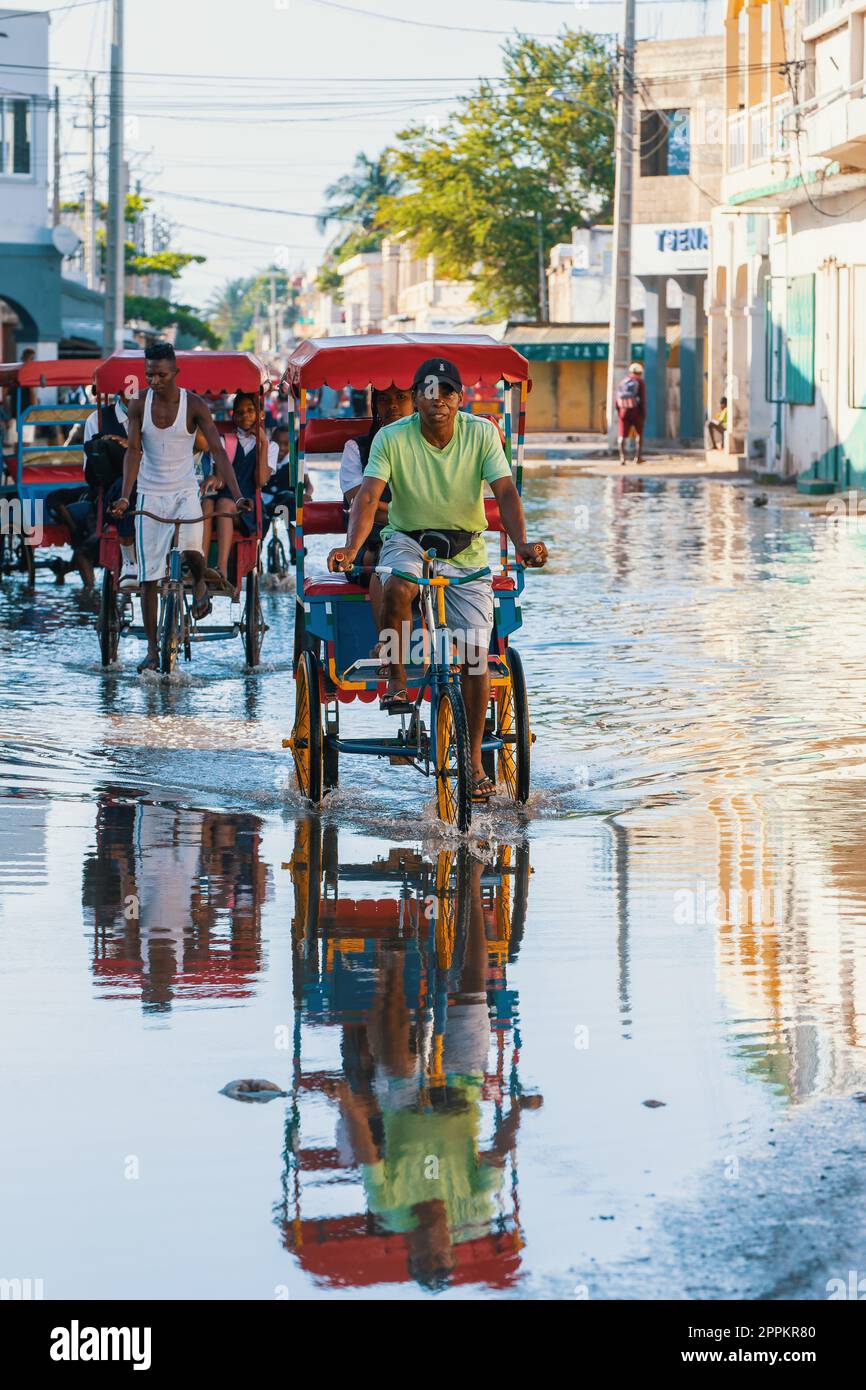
[467,1036]
[468,606]
[153,539]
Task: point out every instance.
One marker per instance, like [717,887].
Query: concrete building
[396,290]
[579,277]
[319,314]
[789,277]
[40,306]
[677,178]
[676,182]
[362,293]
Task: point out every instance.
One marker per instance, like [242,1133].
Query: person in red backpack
[631,409]
[255,459]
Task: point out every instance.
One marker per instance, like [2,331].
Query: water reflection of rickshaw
[415,980]
[32,471]
[175,900]
[334,630]
[211,374]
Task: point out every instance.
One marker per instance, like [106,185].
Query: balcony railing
[759,132]
[781,125]
[737,140]
[763,132]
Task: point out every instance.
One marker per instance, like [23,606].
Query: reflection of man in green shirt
[424,1175]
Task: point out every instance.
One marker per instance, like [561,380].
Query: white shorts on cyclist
[468,606]
[154,539]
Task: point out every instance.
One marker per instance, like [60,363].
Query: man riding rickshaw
[432,625]
[162,432]
[436,462]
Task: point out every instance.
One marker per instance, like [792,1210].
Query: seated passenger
[254,460]
[75,507]
[387,406]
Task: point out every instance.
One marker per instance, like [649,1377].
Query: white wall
[826,246]
[24,201]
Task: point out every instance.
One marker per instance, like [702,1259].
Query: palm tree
[355,198]
[225,310]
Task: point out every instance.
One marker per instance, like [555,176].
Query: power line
[421,23]
[55,9]
[244,207]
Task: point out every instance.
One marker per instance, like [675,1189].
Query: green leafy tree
[513,162]
[162,313]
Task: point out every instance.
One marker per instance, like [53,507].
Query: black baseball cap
[437,369]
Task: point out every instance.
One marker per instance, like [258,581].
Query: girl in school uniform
[254,459]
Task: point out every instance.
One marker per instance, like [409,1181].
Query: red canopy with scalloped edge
[205,373]
[386,359]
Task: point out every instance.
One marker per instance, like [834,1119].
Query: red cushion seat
[61,475]
[330,586]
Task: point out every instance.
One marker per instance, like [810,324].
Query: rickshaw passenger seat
[331,586]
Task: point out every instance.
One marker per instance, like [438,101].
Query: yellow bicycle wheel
[306,740]
[453,761]
[512,726]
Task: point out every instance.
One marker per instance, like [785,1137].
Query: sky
[263,103]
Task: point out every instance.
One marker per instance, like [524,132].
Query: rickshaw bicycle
[334,629]
[210,374]
[175,625]
[31,472]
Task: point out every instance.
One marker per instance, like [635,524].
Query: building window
[16,148]
[816,9]
[664,143]
[790,339]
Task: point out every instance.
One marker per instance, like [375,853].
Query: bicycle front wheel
[453,760]
[171,632]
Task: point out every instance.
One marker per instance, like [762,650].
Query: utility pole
[273,312]
[543,312]
[115,221]
[55,218]
[90,195]
[619,346]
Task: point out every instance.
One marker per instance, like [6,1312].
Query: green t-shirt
[405,1176]
[439,487]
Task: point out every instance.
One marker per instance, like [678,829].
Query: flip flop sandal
[397,702]
[383,671]
[482,788]
[201,608]
[150,663]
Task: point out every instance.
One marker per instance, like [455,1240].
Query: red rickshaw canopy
[67,371]
[205,373]
[386,359]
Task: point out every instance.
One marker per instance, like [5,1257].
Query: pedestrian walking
[631,410]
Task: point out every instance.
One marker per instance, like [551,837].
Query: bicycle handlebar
[166,520]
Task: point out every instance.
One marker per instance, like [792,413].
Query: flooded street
[608,1048]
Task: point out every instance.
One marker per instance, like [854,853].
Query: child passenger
[254,459]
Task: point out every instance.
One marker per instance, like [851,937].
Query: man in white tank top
[162,431]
